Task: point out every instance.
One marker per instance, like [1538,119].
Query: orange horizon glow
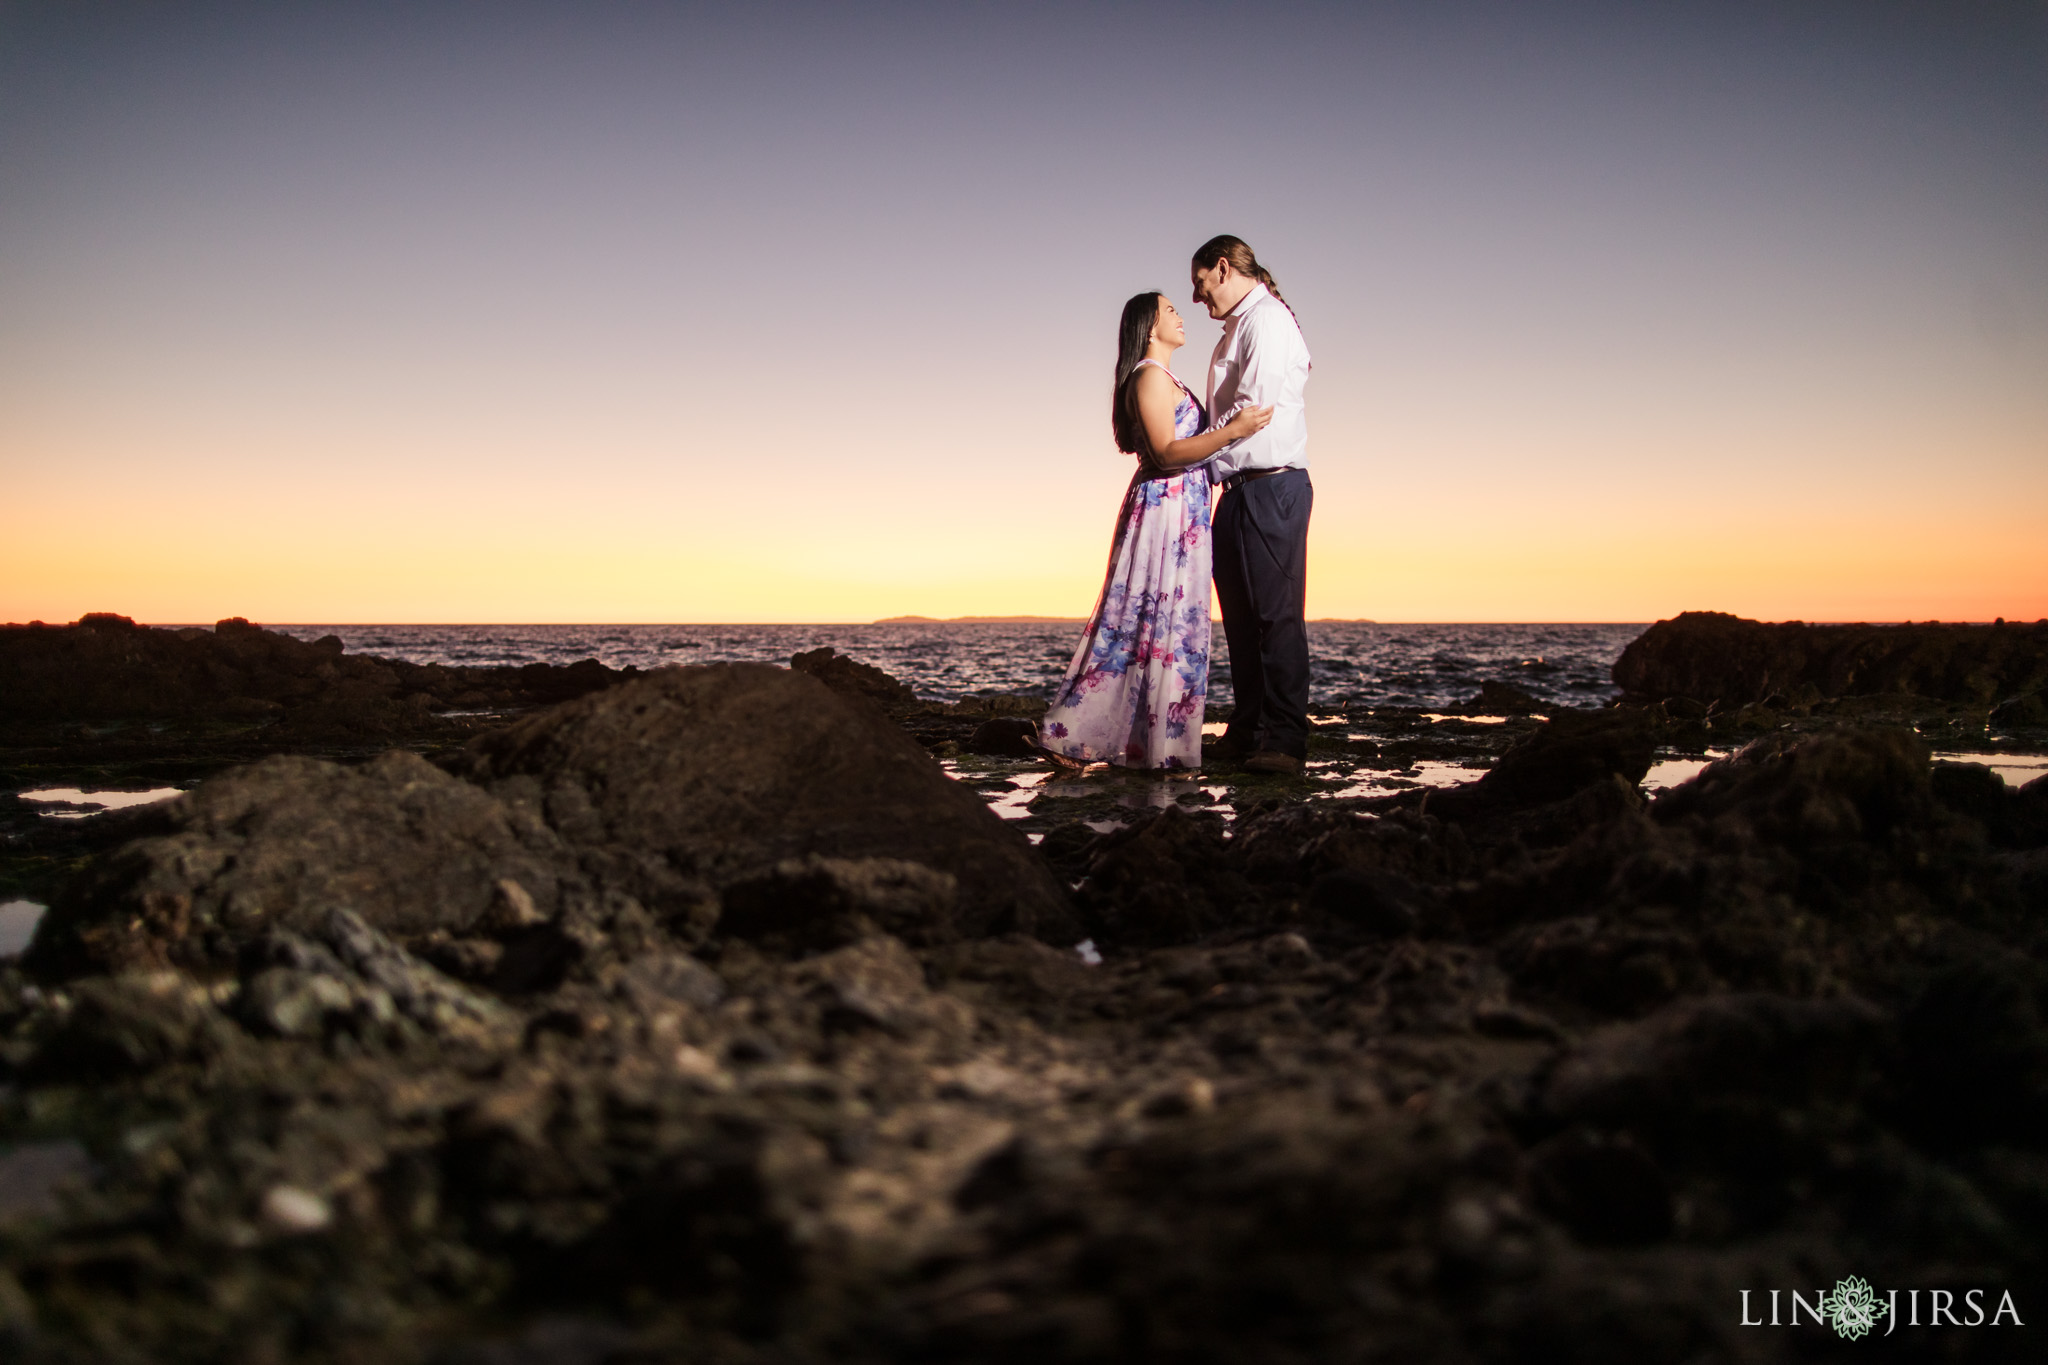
[597,555]
[1444,563]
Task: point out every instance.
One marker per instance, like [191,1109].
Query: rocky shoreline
[701,1015]
[1728,662]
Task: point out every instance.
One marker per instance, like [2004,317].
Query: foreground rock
[1712,657]
[722,772]
[281,843]
[638,806]
[690,1021]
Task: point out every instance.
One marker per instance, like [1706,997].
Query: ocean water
[1355,663]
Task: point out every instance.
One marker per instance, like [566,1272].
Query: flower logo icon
[1853,1308]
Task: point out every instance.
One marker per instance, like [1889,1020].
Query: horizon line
[971,620]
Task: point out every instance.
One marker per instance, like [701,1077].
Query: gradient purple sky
[637,312]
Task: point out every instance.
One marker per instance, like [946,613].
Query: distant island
[972,620]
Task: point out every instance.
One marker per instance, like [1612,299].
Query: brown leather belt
[1248,475]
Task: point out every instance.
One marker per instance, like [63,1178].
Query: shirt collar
[1252,296]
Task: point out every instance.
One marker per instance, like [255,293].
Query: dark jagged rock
[132,1023]
[1731,661]
[830,902]
[1382,904]
[107,668]
[721,772]
[1005,737]
[344,967]
[33,1176]
[1164,879]
[1504,699]
[643,801]
[852,678]
[1605,1188]
[1572,751]
[282,843]
[1661,1075]
[2030,708]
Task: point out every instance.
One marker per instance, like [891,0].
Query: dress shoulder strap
[1148,360]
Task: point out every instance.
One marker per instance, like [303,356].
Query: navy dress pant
[1261,540]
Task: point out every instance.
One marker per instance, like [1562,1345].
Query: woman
[1134,692]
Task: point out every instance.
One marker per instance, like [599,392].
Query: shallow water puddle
[94,802]
[1423,774]
[1015,804]
[1670,772]
[18,920]
[2016,769]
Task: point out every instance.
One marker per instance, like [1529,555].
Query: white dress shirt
[1261,361]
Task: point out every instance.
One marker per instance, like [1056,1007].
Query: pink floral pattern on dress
[1134,694]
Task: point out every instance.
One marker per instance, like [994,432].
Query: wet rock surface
[704,1019]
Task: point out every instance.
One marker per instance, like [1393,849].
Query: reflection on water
[80,803]
[18,921]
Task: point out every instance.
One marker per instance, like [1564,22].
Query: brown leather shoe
[1224,749]
[1273,761]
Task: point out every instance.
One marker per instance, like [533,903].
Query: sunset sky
[643,312]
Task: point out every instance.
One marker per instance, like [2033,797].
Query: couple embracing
[1135,693]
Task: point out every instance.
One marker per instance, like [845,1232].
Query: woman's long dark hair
[1133,338]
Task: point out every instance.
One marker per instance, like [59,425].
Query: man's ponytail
[1235,251]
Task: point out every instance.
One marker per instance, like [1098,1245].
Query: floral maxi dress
[1135,691]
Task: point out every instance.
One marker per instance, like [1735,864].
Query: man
[1261,525]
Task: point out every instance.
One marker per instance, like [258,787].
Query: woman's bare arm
[1157,396]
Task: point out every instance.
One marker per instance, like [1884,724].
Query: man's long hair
[1133,338]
